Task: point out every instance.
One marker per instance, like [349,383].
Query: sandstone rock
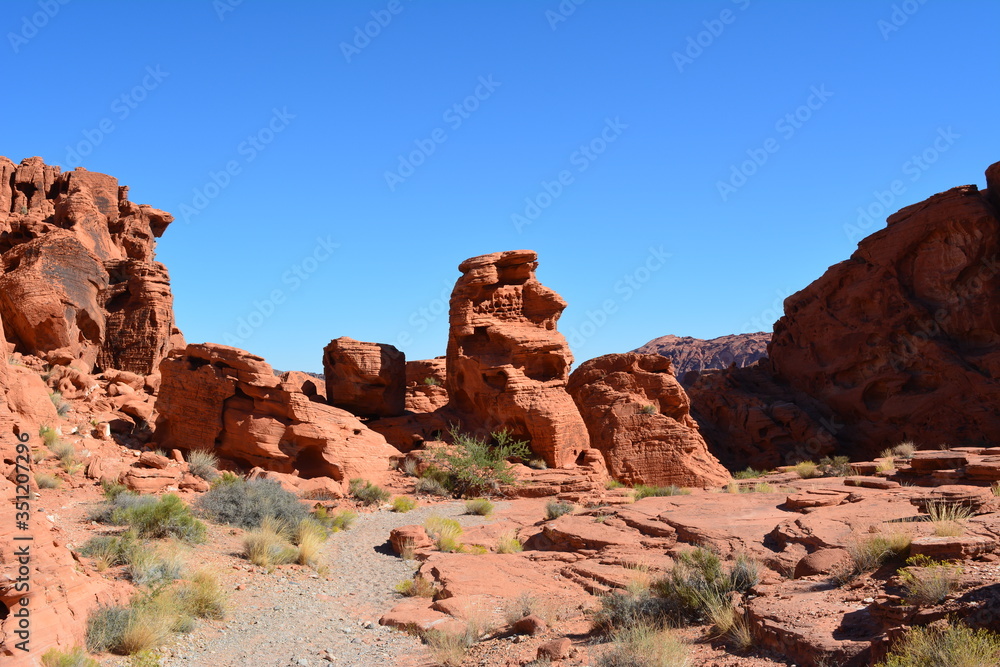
[507,366]
[151,480]
[811,498]
[189,482]
[530,625]
[695,355]
[412,538]
[425,385]
[229,401]
[941,460]
[638,416]
[822,562]
[151,460]
[951,548]
[368,379]
[556,649]
[972,497]
[871,482]
[984,470]
[899,342]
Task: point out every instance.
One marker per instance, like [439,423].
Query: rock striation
[219,398]
[899,342]
[638,416]
[368,379]
[425,385]
[507,365]
[695,354]
[80,284]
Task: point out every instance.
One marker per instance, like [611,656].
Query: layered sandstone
[425,385]
[219,398]
[695,354]
[79,282]
[507,365]
[899,342]
[368,379]
[638,416]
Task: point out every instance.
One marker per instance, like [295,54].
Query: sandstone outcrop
[425,385]
[507,365]
[638,416]
[697,354]
[79,283]
[368,379]
[219,398]
[899,342]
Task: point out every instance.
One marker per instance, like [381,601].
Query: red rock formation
[900,342]
[695,354]
[425,385]
[507,366]
[639,417]
[368,379]
[223,399]
[79,282]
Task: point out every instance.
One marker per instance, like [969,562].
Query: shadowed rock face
[899,342]
[79,282]
[694,354]
[368,379]
[507,366]
[639,417]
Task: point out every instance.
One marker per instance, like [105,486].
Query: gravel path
[300,618]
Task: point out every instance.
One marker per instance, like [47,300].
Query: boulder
[822,562]
[368,379]
[638,416]
[229,401]
[425,385]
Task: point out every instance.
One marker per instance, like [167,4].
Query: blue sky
[680,167]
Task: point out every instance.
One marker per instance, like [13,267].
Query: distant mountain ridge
[696,354]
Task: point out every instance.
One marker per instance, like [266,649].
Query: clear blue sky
[663,121]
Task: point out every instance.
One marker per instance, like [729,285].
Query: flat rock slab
[951,548]
[941,460]
[573,532]
[954,494]
[986,469]
[815,498]
[871,482]
[418,614]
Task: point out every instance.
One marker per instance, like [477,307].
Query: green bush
[556,508]
[480,506]
[166,517]
[111,550]
[49,436]
[838,466]
[47,481]
[75,658]
[955,646]
[112,490]
[806,469]
[268,544]
[446,533]
[368,493]
[62,407]
[645,491]
[698,583]
[648,410]
[432,381]
[431,486]
[644,646]
[246,504]
[749,473]
[475,466]
[403,504]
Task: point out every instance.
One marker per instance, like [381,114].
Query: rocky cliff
[695,354]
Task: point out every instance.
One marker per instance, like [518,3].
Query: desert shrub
[403,504]
[418,587]
[226,478]
[871,552]
[148,566]
[508,543]
[409,467]
[537,464]
[202,596]
[246,504]
[480,506]
[645,491]
[431,486]
[112,490]
[905,449]
[62,407]
[611,483]
[309,537]
[49,436]
[267,545]
[838,466]
[929,584]
[760,487]
[127,630]
[75,658]
[728,623]
[955,646]
[749,473]
[996,489]
[475,466]
[166,517]
[203,463]
[110,550]
[698,584]
[948,518]
[342,520]
[556,508]
[432,381]
[806,469]
[449,649]
[886,465]
[47,481]
[368,493]
[445,533]
[64,451]
[648,410]
[624,610]
[644,646]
